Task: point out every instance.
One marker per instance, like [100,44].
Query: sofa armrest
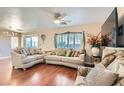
[83,71]
[82,57]
[16,58]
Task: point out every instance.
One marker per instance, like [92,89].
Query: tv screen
[111,26]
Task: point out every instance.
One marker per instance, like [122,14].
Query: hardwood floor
[43,75]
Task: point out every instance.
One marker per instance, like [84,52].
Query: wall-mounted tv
[111,26]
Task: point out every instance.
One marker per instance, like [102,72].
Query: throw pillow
[32,51]
[107,60]
[39,51]
[76,54]
[99,76]
[60,52]
[108,52]
[117,66]
[27,51]
[17,50]
[68,52]
[23,51]
[120,54]
[113,66]
[53,53]
[73,52]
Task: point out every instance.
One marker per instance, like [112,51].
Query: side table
[89,64]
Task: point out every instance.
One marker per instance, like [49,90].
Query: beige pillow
[68,52]
[39,51]
[53,53]
[76,54]
[120,54]
[17,50]
[99,76]
[107,60]
[32,51]
[60,52]
[108,52]
[73,52]
[82,71]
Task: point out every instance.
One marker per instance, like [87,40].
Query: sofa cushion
[73,52]
[76,54]
[38,51]
[23,51]
[99,76]
[32,51]
[60,52]
[68,52]
[74,60]
[32,58]
[108,59]
[53,58]
[108,52]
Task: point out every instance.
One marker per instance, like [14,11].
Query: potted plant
[95,42]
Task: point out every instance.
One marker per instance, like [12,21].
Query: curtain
[83,40]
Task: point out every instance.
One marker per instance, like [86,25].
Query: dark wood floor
[44,75]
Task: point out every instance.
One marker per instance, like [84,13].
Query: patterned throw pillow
[99,76]
[73,52]
[76,54]
[108,52]
[108,60]
[23,51]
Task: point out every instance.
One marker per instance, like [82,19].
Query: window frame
[68,39]
[31,41]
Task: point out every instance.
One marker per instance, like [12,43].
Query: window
[14,42]
[31,42]
[68,40]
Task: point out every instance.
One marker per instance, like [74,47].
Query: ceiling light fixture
[57,21]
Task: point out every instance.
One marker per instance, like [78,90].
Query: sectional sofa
[25,58]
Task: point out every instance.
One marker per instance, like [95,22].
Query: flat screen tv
[111,26]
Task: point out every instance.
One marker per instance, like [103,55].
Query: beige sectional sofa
[25,58]
[65,57]
[66,61]
[109,72]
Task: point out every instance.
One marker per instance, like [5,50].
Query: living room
[42,46]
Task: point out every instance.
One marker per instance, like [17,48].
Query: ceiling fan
[59,19]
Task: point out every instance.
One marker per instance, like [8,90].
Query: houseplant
[95,42]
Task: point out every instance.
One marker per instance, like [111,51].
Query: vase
[95,51]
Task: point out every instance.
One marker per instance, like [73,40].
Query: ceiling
[29,18]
